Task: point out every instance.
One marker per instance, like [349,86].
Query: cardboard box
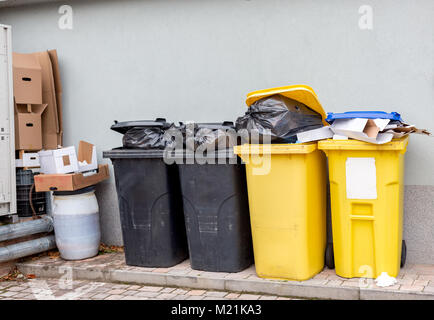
[70,182]
[28,126]
[363,129]
[87,159]
[27,74]
[29,159]
[58,161]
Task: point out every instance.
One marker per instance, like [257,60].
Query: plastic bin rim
[398,144]
[120,153]
[294,148]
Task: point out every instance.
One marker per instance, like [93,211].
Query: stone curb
[280,288]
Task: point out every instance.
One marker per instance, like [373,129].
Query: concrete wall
[197,59]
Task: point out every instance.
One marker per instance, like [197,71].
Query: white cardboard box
[30,159]
[58,161]
[66,160]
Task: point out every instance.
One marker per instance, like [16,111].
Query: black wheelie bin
[216,208]
[149,196]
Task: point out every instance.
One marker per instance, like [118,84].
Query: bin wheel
[403,253]
[329,256]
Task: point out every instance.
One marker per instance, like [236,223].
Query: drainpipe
[26,248]
[17,230]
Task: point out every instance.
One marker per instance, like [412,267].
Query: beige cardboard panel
[27,74]
[58,88]
[50,120]
[85,151]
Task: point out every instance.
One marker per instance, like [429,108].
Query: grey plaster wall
[196,60]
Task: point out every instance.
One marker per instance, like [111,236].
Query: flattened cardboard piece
[50,119]
[315,134]
[87,159]
[359,128]
[28,127]
[361,178]
[70,182]
[27,74]
[58,89]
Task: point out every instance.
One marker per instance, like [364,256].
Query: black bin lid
[225,125]
[123,127]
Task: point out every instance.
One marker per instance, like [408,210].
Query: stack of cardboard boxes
[38,127]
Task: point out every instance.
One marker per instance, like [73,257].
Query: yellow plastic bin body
[287,198]
[367,218]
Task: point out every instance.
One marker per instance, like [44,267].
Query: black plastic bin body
[150,206]
[216,211]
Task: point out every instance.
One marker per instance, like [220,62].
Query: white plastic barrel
[76,223]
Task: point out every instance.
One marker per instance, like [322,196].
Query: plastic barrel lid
[215,125]
[363,114]
[75,192]
[123,127]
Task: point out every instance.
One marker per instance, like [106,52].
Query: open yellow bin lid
[300,93]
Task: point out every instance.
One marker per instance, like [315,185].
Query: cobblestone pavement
[415,281]
[57,289]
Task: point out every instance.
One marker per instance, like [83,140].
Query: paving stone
[161,270]
[232,295]
[283,298]
[421,282]
[17,288]
[150,289]
[180,291]
[114,297]
[429,290]
[246,296]
[181,297]
[167,290]
[116,291]
[411,288]
[196,292]
[195,298]
[8,293]
[213,298]
[334,283]
[215,294]
[134,287]
[100,296]
[148,294]
[133,298]
[130,293]
[267,297]
[166,296]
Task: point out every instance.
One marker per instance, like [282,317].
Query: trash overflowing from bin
[183,192]
[280,117]
[376,127]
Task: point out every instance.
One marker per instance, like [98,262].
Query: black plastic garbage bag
[209,136]
[279,117]
[148,138]
[149,134]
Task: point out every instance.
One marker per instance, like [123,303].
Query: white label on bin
[361,178]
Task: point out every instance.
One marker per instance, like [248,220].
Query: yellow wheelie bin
[366,188]
[287,199]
